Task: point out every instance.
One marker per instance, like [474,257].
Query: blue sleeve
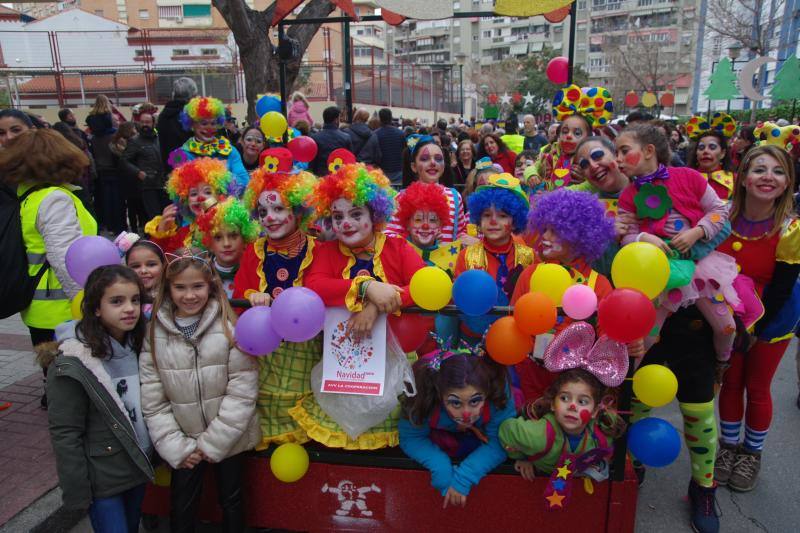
[485,457]
[415,441]
[236,166]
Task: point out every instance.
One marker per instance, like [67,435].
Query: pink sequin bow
[575,347]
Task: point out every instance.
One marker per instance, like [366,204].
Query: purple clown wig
[578,218]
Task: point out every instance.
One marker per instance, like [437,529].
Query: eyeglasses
[596,155]
[711,146]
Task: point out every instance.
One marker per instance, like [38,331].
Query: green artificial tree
[787,81]
[722,82]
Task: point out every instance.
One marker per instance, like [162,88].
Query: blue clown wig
[502,200]
[578,218]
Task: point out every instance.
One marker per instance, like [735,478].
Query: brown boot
[726,458]
[745,471]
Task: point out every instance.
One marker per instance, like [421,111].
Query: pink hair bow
[575,347]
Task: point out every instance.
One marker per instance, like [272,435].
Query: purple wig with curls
[577,217]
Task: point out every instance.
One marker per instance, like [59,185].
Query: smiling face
[599,165]
[278,220]
[465,153]
[464,405]
[11,127]
[227,245]
[709,154]
[352,225]
[424,228]
[253,143]
[490,146]
[571,132]
[519,167]
[120,308]
[205,130]
[496,226]
[574,407]
[147,266]
[428,163]
[197,196]
[766,179]
[189,291]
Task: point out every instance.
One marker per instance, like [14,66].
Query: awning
[519,49]
[537,47]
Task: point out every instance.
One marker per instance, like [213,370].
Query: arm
[236,166]
[522,438]
[415,441]
[323,278]
[778,292]
[57,223]
[632,225]
[128,158]
[716,213]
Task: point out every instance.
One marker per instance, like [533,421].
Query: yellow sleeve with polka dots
[788,249]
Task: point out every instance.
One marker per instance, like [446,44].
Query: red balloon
[626,315]
[411,330]
[558,70]
[303,148]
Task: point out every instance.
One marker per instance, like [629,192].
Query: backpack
[17,289]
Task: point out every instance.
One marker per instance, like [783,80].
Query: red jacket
[507,160]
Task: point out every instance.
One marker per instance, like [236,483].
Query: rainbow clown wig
[504,193]
[421,196]
[359,184]
[202,108]
[295,189]
[230,214]
[196,172]
[577,218]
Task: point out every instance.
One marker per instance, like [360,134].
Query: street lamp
[733,53]
[461,58]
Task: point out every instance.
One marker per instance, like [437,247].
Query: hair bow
[414,139]
[784,137]
[125,241]
[575,347]
[186,253]
[593,103]
[721,123]
[435,358]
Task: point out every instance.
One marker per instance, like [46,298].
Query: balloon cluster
[83,256]
[652,440]
[273,124]
[296,315]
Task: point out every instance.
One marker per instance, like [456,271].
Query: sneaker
[723,466]
[705,513]
[745,471]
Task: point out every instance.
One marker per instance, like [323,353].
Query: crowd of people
[204,212]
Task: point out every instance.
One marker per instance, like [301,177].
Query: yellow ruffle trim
[299,436]
[151,228]
[351,299]
[788,249]
[260,246]
[337,439]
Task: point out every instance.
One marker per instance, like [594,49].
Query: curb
[45,515]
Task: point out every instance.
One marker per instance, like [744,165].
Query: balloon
[162,476]
[273,124]
[642,266]
[289,462]
[87,253]
[475,292]
[303,149]
[579,302]
[558,70]
[267,103]
[506,344]
[75,306]
[551,280]
[431,288]
[626,315]
[654,441]
[298,314]
[411,329]
[254,333]
[535,313]
[655,385]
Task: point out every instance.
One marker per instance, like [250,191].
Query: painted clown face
[205,130]
[198,196]
[464,405]
[599,165]
[496,226]
[574,407]
[278,220]
[709,154]
[424,227]
[552,248]
[352,225]
[571,132]
[429,163]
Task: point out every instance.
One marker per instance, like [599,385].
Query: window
[208,52]
[487,34]
[169,12]
[475,37]
[456,6]
[456,40]
[144,14]
[180,51]
[196,10]
[139,53]
[581,5]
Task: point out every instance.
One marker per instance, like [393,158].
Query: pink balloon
[579,302]
[558,70]
[303,148]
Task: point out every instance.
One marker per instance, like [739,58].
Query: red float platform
[386,491]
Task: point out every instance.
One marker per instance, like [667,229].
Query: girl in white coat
[198,391]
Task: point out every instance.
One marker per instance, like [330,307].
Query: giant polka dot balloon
[594,103]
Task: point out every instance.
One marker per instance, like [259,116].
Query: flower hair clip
[575,347]
[203,256]
[413,140]
[125,242]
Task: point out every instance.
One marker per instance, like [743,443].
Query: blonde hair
[101,105]
[783,205]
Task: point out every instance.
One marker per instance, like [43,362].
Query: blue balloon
[267,103]
[654,442]
[475,292]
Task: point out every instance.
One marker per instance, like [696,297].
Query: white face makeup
[278,220]
[428,164]
[205,130]
[766,180]
[464,405]
[571,132]
[424,228]
[709,154]
[352,225]
[198,195]
[552,248]
[599,164]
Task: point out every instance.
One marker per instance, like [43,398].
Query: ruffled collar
[219,146]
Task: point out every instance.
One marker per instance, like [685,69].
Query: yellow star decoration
[556,500]
[563,472]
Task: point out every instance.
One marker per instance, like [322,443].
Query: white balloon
[746,75]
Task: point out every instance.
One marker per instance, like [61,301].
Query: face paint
[552,248]
[205,130]
[424,228]
[766,180]
[573,407]
[197,196]
[464,405]
[632,159]
[585,415]
[496,226]
[278,220]
[352,225]
[429,163]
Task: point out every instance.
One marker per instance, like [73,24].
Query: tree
[722,82]
[787,80]
[251,29]
[534,81]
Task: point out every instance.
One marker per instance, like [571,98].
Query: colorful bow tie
[660,174]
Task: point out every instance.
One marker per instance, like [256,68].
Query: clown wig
[359,184]
[422,197]
[294,188]
[202,108]
[578,218]
[501,199]
[230,214]
[201,170]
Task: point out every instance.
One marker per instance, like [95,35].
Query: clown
[194,188]
[364,270]
[708,152]
[204,116]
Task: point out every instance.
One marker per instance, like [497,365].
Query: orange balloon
[535,313]
[506,344]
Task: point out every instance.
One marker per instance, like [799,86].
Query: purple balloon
[254,333]
[87,253]
[298,314]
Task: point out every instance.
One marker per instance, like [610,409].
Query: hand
[141,175]
[576,173]
[168,216]
[385,296]
[453,497]
[259,299]
[684,240]
[623,223]
[526,470]
[360,324]
[192,460]
[636,348]
[656,241]
[468,240]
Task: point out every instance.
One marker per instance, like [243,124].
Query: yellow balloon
[655,385]
[641,266]
[75,306]
[163,476]
[289,462]
[649,99]
[431,288]
[273,124]
[552,280]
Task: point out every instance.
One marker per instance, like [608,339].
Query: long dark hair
[455,372]
[90,330]
[501,146]
[691,154]
[410,177]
